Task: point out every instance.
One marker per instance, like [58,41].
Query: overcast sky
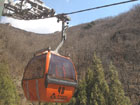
[64,6]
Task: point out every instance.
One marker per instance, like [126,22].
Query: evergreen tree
[81,95]
[89,82]
[116,95]
[8,95]
[99,91]
[72,101]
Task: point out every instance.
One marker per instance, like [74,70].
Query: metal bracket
[64,20]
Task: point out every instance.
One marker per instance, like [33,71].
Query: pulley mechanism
[27,9]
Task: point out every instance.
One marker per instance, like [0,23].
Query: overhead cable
[109,5]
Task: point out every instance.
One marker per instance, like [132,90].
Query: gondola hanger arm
[64,18]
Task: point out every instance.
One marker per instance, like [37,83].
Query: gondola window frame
[68,61]
[31,71]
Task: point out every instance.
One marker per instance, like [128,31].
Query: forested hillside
[113,39]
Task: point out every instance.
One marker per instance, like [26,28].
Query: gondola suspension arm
[64,19]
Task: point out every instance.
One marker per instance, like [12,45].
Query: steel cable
[109,5]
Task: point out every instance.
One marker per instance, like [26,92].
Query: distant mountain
[114,39]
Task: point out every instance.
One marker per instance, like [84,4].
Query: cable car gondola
[50,77]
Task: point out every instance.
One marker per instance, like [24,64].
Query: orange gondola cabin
[49,77]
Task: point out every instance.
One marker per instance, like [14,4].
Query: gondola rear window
[35,68]
[61,68]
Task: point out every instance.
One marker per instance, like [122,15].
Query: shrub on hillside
[8,94]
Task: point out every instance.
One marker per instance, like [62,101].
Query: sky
[44,26]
